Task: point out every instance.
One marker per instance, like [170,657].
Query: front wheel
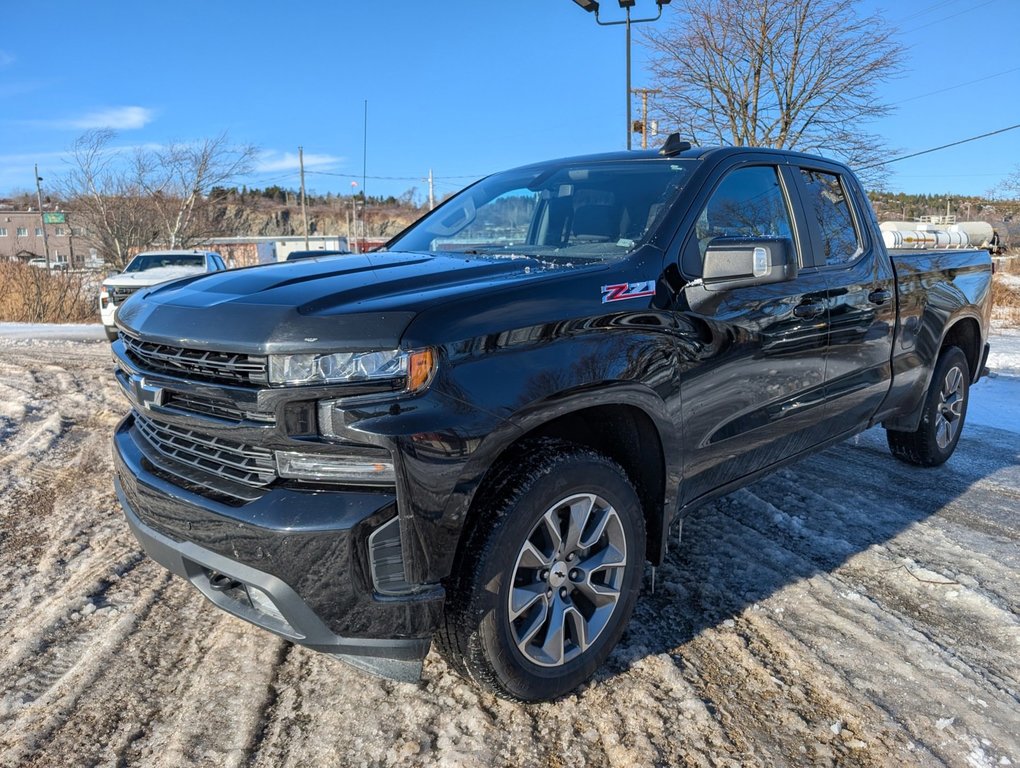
[549,577]
[942,416]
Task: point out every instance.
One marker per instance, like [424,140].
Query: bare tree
[1009,187]
[794,74]
[113,211]
[130,200]
[178,178]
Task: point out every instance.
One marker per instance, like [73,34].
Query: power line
[952,15]
[961,85]
[389,178]
[923,11]
[936,149]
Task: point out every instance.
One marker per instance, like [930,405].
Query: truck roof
[693,153]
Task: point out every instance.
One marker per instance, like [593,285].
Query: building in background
[21,238]
[247,251]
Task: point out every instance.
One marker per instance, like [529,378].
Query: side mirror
[736,262]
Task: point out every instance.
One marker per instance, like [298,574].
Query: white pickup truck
[148,269]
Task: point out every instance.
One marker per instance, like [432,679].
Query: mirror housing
[736,262]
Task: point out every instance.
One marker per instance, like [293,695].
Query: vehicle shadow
[809,519]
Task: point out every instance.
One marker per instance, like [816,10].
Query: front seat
[595,224]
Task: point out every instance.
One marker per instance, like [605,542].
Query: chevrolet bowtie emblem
[146,395]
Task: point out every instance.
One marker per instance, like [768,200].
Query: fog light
[368,468]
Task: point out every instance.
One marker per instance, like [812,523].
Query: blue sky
[464,87]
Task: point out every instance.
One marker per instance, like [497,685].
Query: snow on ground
[52,331]
[848,610]
[995,401]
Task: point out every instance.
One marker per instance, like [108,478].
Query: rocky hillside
[274,219]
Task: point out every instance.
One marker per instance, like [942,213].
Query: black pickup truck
[480,434]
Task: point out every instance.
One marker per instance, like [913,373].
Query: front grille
[225,458]
[207,406]
[220,367]
[120,293]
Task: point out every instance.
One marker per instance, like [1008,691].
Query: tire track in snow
[891,636]
[219,729]
[63,679]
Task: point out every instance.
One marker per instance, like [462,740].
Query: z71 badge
[623,291]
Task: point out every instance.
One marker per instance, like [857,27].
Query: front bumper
[294,562]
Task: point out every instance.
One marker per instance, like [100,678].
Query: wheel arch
[622,423]
[965,333]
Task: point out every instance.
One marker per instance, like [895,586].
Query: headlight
[415,367]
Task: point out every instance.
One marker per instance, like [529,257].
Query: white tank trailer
[918,234]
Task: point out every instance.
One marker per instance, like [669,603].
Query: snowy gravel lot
[848,610]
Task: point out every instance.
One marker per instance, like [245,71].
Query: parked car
[40,263]
[481,435]
[148,269]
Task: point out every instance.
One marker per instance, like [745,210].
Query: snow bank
[53,331]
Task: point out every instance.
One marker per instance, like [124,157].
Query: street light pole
[592,6]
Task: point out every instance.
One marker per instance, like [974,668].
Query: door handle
[809,309]
[881,296]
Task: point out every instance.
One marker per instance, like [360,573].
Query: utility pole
[42,219]
[304,210]
[644,112]
[432,192]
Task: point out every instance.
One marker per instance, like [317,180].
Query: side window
[749,202]
[827,201]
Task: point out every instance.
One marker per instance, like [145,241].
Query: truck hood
[342,303]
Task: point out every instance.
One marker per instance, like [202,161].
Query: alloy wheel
[567,579]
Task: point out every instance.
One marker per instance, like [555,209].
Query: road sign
[53,218]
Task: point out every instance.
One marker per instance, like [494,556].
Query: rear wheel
[942,416]
[549,578]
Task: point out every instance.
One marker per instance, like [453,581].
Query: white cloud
[117,118]
[6,59]
[273,160]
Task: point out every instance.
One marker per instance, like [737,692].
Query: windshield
[594,211]
[146,261]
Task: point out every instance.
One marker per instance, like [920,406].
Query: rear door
[860,293]
[752,357]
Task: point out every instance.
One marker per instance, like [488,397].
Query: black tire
[111,333]
[942,415]
[480,639]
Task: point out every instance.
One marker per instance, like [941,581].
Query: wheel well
[966,335]
[623,433]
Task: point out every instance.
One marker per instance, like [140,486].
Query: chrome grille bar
[119,294]
[225,367]
[225,458]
